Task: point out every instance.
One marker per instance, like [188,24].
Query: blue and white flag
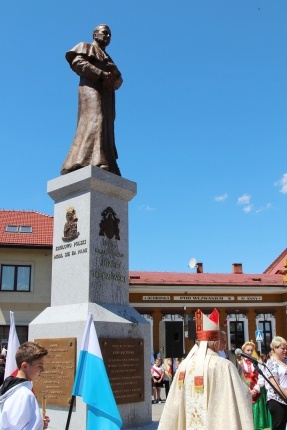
[93,385]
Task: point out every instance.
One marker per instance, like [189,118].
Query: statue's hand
[113,69]
[108,79]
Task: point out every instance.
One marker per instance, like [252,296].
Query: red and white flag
[13,345]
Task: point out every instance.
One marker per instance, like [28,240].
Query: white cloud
[267,207]
[282,183]
[248,208]
[146,208]
[244,199]
[221,198]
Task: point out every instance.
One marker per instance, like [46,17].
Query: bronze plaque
[124,361]
[56,383]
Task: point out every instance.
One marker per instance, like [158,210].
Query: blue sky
[201,121]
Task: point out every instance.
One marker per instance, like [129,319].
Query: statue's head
[102,35]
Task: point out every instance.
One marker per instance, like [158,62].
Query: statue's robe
[94,141]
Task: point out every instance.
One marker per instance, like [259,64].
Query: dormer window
[18,229]
[25,229]
[11,228]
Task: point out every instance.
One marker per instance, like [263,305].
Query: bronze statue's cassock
[94,142]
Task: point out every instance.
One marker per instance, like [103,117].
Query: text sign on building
[57,381]
[155,298]
[204,298]
[249,298]
[123,359]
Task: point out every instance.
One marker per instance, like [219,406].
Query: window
[266,323]
[22,332]
[237,330]
[25,229]
[11,228]
[236,334]
[18,229]
[265,326]
[15,278]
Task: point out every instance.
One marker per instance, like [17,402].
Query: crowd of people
[267,383]
[162,372]
[213,388]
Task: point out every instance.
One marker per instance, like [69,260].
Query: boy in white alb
[19,409]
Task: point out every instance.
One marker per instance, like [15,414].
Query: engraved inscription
[71,249]
[57,381]
[108,262]
[109,249]
[124,363]
[109,276]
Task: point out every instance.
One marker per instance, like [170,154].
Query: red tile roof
[277,264]
[42,228]
[204,279]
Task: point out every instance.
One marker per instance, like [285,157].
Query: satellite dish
[192,263]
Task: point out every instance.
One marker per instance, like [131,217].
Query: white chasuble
[224,404]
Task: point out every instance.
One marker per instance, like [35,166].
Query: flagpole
[70,412]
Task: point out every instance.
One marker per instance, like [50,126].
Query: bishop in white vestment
[207,391]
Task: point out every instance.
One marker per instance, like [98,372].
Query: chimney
[237,268]
[199,267]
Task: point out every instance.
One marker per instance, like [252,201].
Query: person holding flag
[93,385]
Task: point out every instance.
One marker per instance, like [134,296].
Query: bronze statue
[94,142]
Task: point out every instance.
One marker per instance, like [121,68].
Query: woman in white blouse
[277,376]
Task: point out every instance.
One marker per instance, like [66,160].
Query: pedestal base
[112,321]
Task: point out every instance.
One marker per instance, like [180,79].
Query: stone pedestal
[90,274]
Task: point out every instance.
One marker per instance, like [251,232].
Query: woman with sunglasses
[277,376]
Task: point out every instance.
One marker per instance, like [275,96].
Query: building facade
[25,269]
[251,306]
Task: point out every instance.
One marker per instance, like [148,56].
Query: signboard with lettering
[57,381]
[156,298]
[249,298]
[204,298]
[123,359]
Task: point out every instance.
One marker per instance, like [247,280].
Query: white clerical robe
[19,409]
[224,404]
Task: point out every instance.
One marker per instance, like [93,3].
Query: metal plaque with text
[57,381]
[124,361]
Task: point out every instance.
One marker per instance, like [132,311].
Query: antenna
[192,263]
